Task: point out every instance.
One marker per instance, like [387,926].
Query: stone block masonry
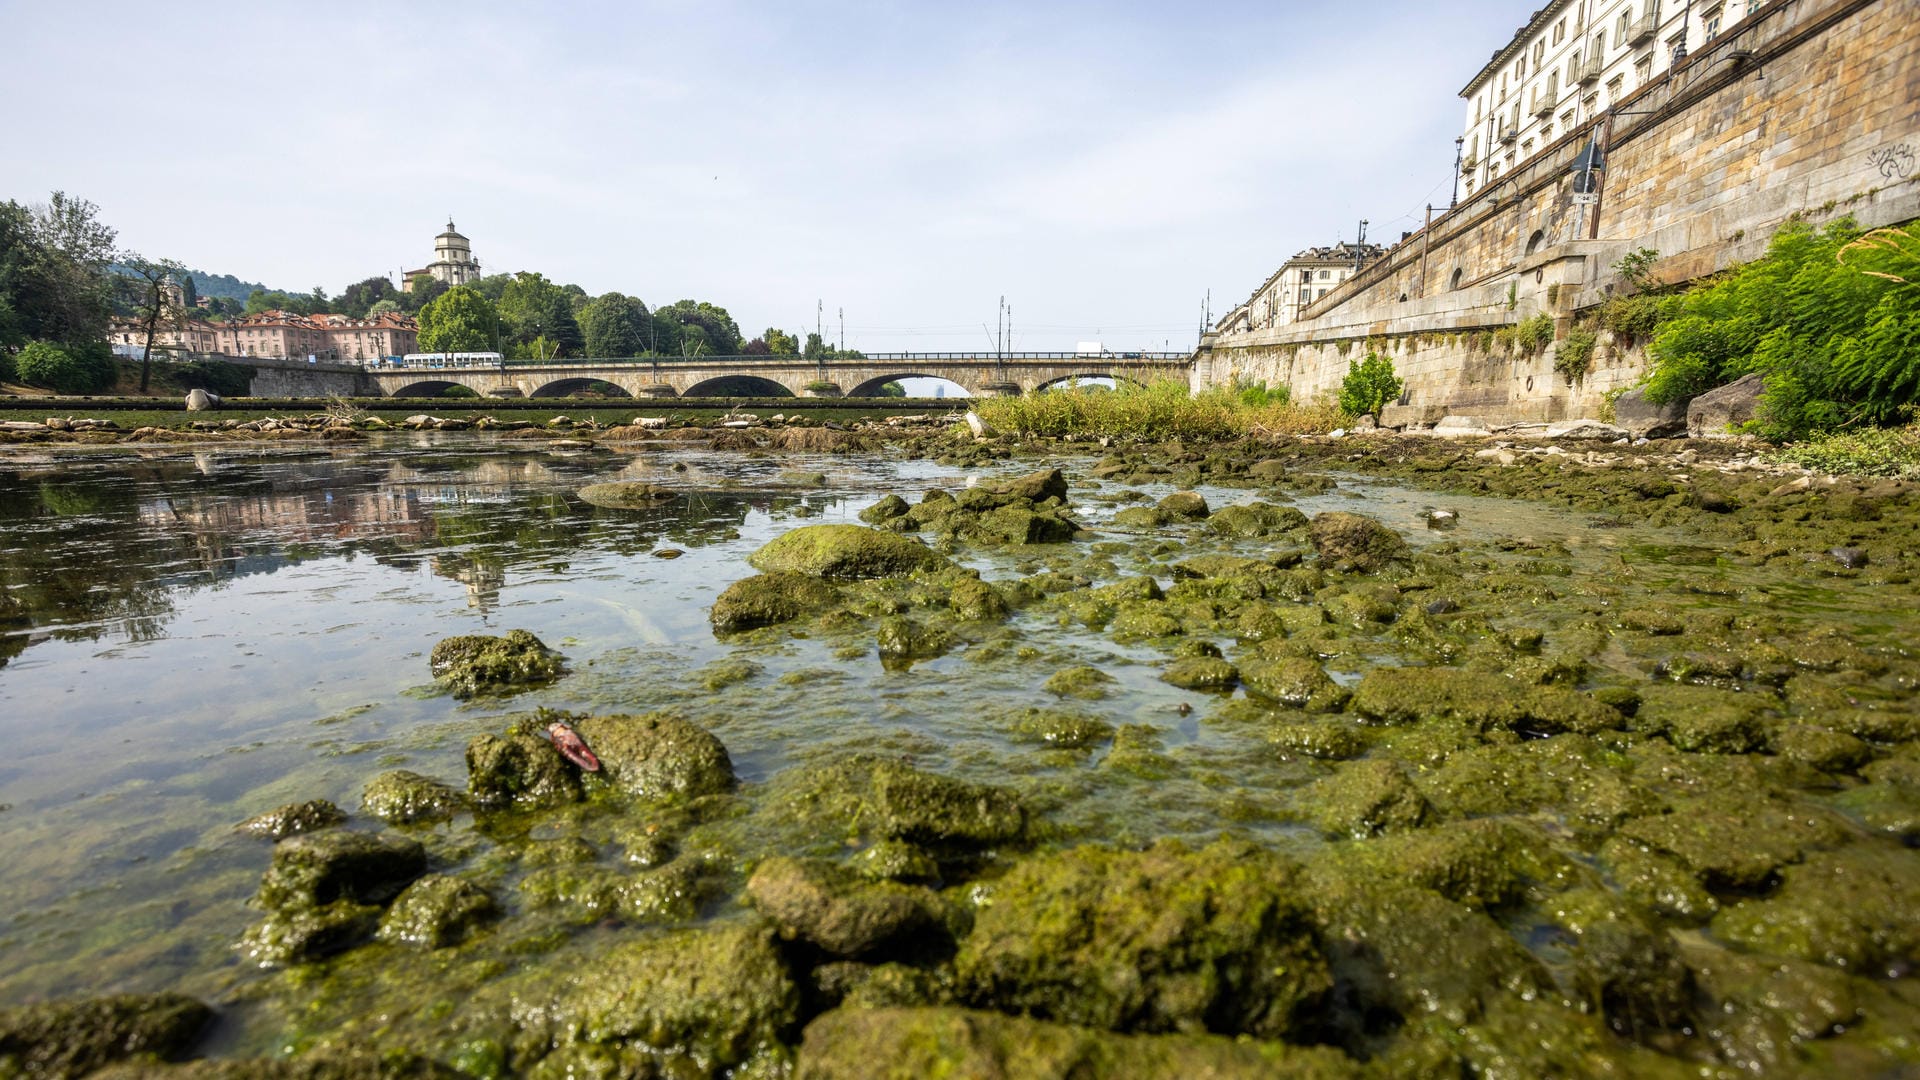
[1806,108]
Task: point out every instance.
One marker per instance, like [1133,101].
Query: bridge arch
[426,388]
[871,387]
[737,386]
[1114,375]
[572,387]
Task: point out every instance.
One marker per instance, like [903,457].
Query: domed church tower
[453,261]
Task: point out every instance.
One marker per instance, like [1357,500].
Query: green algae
[844,552]
[74,1038]
[481,663]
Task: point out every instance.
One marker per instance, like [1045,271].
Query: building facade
[281,335]
[453,261]
[1300,281]
[1572,61]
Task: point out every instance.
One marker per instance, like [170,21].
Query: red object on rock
[572,746]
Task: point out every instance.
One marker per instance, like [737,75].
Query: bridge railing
[628,362]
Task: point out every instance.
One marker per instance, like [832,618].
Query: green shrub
[7,373]
[458,391]
[1869,452]
[1535,334]
[51,367]
[1831,318]
[1575,356]
[1630,318]
[1259,395]
[1369,386]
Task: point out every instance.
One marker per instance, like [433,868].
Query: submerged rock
[1355,541]
[437,911]
[1167,939]
[828,905]
[658,755]
[1255,520]
[626,495]
[304,934]
[769,600]
[320,868]
[294,819]
[70,1039]
[1365,798]
[822,807]
[519,769]
[848,552]
[400,797]
[1296,683]
[476,663]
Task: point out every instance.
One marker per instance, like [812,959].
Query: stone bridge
[981,374]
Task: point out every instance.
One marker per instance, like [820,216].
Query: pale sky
[1101,165]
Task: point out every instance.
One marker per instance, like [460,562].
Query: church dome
[450,234]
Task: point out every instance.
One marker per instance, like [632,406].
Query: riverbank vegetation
[1161,410]
[1830,317]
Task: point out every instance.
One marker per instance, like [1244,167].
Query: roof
[1535,22]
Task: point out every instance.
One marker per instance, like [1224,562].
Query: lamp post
[1459,147]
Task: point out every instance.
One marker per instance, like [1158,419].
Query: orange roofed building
[283,335]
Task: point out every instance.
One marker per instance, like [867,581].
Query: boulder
[1187,505]
[849,552]
[58,1039]
[1583,429]
[1458,427]
[1714,413]
[321,868]
[830,906]
[1355,541]
[658,755]
[519,769]
[769,600]
[1643,419]
[473,663]
[979,426]
[200,401]
[1166,939]
[401,796]
[293,819]
[437,911]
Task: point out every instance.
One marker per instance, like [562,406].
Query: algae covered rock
[1080,681]
[320,868]
[1066,728]
[1365,798]
[769,600]
[824,806]
[519,769]
[294,819]
[846,552]
[828,905]
[298,935]
[658,755]
[1354,541]
[1736,840]
[1034,487]
[1185,505]
[1167,939]
[1201,673]
[626,495]
[1255,520]
[62,1039]
[437,911]
[1764,1011]
[1413,694]
[1852,909]
[901,638]
[888,508]
[861,1043]
[1294,682]
[477,663]
[400,796]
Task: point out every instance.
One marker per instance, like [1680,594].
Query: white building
[1300,281]
[453,261]
[1572,61]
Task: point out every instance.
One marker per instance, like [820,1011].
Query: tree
[189,293]
[697,328]
[461,320]
[424,289]
[158,301]
[356,298]
[382,307]
[615,325]
[756,347]
[891,389]
[779,342]
[82,369]
[61,289]
[531,306]
[17,252]
[1369,386]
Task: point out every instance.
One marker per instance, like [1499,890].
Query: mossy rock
[1852,909]
[437,911]
[299,935]
[1354,542]
[1409,695]
[73,1038]
[1734,840]
[481,663]
[1252,521]
[1145,621]
[1142,518]
[587,893]
[1019,525]
[1657,881]
[900,638]
[1167,939]
[824,808]
[888,508]
[294,819]
[1139,587]
[770,600]
[1539,1036]
[1201,673]
[846,552]
[1326,739]
[1702,719]
[1891,809]
[1819,747]
[975,600]
[1294,682]
[1035,487]
[896,860]
[1485,864]
[860,1043]
[321,868]
[1184,505]
[829,906]
[847,984]
[1080,681]
[626,495]
[1366,798]
[1065,728]
[1764,1012]
[702,1001]
[400,797]
[658,755]
[519,769]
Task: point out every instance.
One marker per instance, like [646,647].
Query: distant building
[1300,281]
[1569,64]
[453,261]
[281,335]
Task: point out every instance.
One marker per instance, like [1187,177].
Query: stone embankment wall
[1806,108]
[299,379]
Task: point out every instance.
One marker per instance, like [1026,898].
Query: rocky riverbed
[1344,757]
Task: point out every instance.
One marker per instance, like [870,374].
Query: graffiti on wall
[1894,162]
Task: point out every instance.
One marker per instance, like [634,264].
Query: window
[1677,49]
[1520,69]
[1539,50]
[1643,71]
[1616,87]
[1623,25]
[1710,23]
[1546,133]
[1526,148]
[1599,45]
[1477,101]
[1559,31]
[1324,275]
[1592,103]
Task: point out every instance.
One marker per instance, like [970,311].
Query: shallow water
[216,633]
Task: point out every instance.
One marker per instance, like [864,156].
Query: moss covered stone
[1068,728]
[298,935]
[861,1044]
[1354,542]
[400,796]
[658,755]
[1142,518]
[70,1039]
[1080,681]
[1622,960]
[1852,909]
[626,495]
[294,819]
[519,769]
[1410,695]
[1488,863]
[1366,798]
[769,600]
[846,552]
[1703,719]
[828,905]
[888,508]
[1255,520]
[1327,739]
[1736,840]
[320,868]
[1762,1011]
[1294,682]
[1167,939]
[1201,673]
[1184,505]
[901,638]
[972,599]
[1657,881]
[479,663]
[437,911]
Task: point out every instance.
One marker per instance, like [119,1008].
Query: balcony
[1589,72]
[1643,30]
[1507,135]
[1469,163]
[1543,105]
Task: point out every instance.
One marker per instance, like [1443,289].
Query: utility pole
[843,329]
[1358,244]
[1459,147]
